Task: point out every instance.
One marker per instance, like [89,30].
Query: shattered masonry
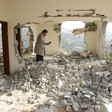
[70,80]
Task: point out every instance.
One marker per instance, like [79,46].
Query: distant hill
[70,42]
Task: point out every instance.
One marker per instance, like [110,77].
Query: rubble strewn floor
[61,80]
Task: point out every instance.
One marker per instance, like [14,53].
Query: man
[40,45]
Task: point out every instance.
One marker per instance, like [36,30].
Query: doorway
[4,47]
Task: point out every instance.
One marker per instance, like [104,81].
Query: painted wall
[35,29]
[27,10]
[3,10]
[90,40]
[95,40]
[52,36]
[101,31]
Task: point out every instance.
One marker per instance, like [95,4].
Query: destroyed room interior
[75,73]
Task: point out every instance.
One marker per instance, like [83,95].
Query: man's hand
[48,43]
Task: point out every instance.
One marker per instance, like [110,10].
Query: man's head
[44,32]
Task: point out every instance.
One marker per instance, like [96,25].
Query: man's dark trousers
[39,58]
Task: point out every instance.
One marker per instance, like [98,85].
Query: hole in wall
[25,37]
[108,41]
[69,41]
[27,40]
[23,42]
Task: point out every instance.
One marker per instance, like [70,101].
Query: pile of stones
[69,80]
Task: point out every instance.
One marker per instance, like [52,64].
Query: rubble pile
[68,80]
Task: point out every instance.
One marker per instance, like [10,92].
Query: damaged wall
[90,39]
[23,11]
[101,32]
[95,40]
[34,28]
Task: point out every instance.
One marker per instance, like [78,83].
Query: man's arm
[42,41]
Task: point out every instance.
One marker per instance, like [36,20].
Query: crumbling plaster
[23,11]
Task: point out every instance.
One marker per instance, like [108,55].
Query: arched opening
[108,41]
[69,41]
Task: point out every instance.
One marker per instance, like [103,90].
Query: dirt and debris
[64,80]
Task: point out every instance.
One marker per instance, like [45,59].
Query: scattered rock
[70,80]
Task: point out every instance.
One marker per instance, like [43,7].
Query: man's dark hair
[44,31]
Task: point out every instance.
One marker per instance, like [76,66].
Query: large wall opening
[69,41]
[27,40]
[25,37]
[108,41]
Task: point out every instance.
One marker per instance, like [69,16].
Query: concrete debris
[67,80]
[85,54]
[57,27]
[91,26]
[68,109]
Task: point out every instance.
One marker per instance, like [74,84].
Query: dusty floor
[61,75]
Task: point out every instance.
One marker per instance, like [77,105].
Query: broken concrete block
[68,109]
[75,106]
[69,80]
[84,54]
